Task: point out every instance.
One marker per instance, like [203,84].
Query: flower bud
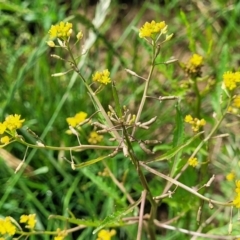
[79,35]
[51,43]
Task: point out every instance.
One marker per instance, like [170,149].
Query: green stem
[151,226]
[198,98]
[154,55]
[95,98]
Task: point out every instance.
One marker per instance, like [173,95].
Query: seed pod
[146,150]
[99,125]
[152,142]
[149,122]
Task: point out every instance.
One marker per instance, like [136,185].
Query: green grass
[27,88]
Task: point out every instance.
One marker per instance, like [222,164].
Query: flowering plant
[121,132]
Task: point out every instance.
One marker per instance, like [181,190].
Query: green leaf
[90,162]
[175,150]
[111,192]
[178,132]
[85,222]
[178,136]
[188,25]
[116,100]
[116,217]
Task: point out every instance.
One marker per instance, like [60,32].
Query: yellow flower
[193,162]
[7,227]
[237,77]
[5,140]
[230,176]
[195,122]
[194,65]
[77,119]
[196,60]
[59,238]
[94,138]
[13,122]
[2,128]
[61,30]
[188,119]
[30,220]
[229,79]
[236,201]
[102,77]
[152,29]
[106,234]
[61,234]
[237,183]
[236,101]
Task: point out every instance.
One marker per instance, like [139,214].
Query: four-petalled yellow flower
[102,77]
[152,29]
[61,30]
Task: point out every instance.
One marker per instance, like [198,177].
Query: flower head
[2,128]
[196,60]
[7,227]
[60,234]
[94,138]
[61,30]
[194,65]
[236,201]
[106,234]
[188,119]
[193,162]
[152,29]
[230,176]
[236,101]
[30,220]
[13,122]
[77,119]
[102,77]
[5,139]
[231,79]
[195,122]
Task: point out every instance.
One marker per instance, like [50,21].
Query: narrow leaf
[90,162]
[116,217]
[116,100]
[175,150]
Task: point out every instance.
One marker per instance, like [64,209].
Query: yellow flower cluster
[77,119]
[106,234]
[193,162]
[196,60]
[235,106]
[61,30]
[30,220]
[236,201]
[152,29]
[231,79]
[195,122]
[236,101]
[94,138]
[102,77]
[7,227]
[194,64]
[230,176]
[9,126]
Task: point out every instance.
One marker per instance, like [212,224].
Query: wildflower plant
[113,132]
